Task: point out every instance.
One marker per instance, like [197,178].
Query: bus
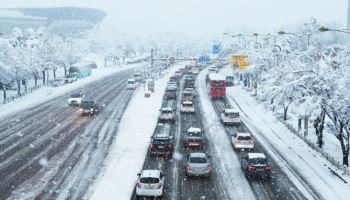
[81,69]
[217,85]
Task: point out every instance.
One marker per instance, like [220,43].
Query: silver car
[198,165]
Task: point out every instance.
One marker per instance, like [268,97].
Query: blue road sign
[216,48]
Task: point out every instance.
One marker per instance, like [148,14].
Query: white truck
[75,99]
[131,84]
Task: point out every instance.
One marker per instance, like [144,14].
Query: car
[230,116]
[212,70]
[172,84]
[56,82]
[161,144]
[187,107]
[229,80]
[178,73]
[187,96]
[131,84]
[150,183]
[167,114]
[88,107]
[170,93]
[242,141]
[195,71]
[183,71]
[75,99]
[175,78]
[256,165]
[137,76]
[194,138]
[197,164]
[190,90]
[70,78]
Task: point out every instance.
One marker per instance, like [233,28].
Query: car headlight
[81,110]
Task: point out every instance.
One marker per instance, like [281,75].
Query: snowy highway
[51,152]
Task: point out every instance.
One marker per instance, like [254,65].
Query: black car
[161,145]
[256,165]
[88,107]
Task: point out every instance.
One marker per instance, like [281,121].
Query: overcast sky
[203,16]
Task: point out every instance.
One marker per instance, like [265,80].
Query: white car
[150,183]
[230,116]
[195,71]
[75,99]
[242,141]
[70,78]
[131,84]
[187,107]
[190,90]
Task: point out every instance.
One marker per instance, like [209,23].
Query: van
[131,84]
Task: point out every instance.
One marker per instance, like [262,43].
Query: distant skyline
[202,16]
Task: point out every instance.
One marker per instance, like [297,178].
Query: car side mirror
[208,156]
[138,174]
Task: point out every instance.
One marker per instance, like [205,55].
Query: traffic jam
[179,162]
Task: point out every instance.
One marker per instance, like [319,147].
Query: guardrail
[29,90]
[328,157]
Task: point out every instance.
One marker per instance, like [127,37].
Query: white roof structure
[243,134]
[216,77]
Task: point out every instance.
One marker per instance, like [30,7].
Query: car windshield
[194,134]
[244,138]
[258,161]
[166,111]
[187,94]
[198,160]
[229,77]
[131,82]
[218,83]
[150,180]
[75,95]
[161,141]
[232,114]
[171,90]
[87,104]
[187,104]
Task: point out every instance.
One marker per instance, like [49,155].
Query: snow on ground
[47,93]
[125,160]
[272,133]
[228,165]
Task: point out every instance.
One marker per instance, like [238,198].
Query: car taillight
[138,184]
[188,168]
[268,168]
[210,168]
[170,146]
[251,142]
[251,168]
[151,146]
[238,142]
[159,185]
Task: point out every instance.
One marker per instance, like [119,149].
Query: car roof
[193,129]
[230,110]
[131,79]
[167,109]
[198,155]
[256,155]
[150,173]
[188,89]
[161,136]
[243,134]
[187,102]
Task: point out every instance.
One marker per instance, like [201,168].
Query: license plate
[161,147]
[260,169]
[245,142]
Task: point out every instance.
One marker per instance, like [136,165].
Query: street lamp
[281,32]
[325,29]
[256,37]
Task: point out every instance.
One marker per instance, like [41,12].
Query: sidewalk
[293,153]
